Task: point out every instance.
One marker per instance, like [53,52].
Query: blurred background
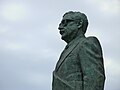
[30,44]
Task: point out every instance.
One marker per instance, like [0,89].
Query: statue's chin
[65,39]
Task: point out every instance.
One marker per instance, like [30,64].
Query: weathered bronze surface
[80,66]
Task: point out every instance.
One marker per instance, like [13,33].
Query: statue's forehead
[69,17]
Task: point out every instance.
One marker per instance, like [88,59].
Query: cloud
[30,43]
[112,74]
[106,6]
[14,11]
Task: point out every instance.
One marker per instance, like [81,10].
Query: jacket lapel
[67,52]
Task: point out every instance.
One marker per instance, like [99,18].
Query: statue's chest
[71,63]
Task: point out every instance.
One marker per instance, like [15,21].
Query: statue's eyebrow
[66,20]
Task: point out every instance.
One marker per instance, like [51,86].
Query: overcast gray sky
[30,43]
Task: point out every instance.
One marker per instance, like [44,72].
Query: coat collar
[72,46]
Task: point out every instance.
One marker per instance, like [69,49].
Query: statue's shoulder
[91,40]
[94,42]
[91,43]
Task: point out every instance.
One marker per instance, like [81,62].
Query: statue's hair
[79,16]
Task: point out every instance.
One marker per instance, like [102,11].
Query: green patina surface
[80,66]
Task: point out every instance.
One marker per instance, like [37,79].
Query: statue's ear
[80,23]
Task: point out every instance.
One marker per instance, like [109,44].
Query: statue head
[72,25]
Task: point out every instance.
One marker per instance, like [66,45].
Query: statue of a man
[80,66]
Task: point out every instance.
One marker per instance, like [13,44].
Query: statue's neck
[71,39]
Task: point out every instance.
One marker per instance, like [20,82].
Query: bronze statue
[80,66]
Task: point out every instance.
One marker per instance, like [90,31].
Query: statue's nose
[60,27]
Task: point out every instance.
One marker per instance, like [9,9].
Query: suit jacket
[80,66]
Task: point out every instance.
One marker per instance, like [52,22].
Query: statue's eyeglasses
[66,21]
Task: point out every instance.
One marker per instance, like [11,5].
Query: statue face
[68,28]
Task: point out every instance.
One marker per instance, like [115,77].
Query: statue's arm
[91,60]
